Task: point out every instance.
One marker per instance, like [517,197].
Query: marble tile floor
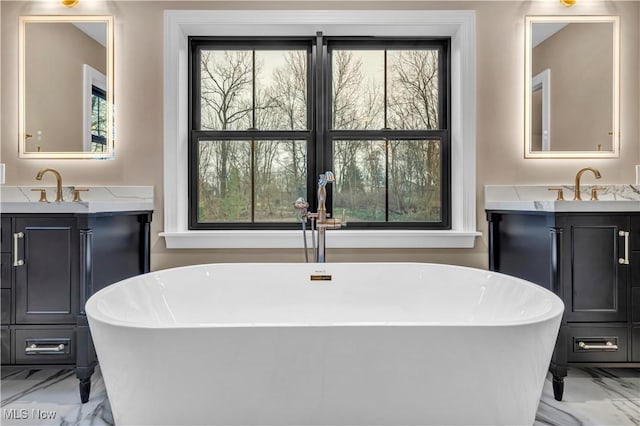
[51,397]
[599,397]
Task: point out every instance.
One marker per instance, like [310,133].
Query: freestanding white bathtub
[324,344]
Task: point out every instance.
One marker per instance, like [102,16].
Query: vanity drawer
[5,342]
[5,307]
[5,235]
[5,266]
[598,344]
[44,346]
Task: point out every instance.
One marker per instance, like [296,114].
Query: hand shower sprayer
[302,207]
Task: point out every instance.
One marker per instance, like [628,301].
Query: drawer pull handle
[608,345]
[35,349]
[17,236]
[624,260]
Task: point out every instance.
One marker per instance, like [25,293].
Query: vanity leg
[558,387]
[85,356]
[85,389]
[558,366]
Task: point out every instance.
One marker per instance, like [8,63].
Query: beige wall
[580,59]
[54,57]
[500,111]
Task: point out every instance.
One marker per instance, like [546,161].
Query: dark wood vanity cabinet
[590,260]
[51,265]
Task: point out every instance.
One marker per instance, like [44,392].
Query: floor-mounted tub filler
[324,344]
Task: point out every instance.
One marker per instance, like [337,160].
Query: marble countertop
[613,198]
[99,199]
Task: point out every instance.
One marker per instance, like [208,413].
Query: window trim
[459,25]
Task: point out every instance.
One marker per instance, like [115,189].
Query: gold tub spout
[576,189]
[58,181]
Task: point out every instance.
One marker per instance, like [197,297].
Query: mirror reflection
[66,72]
[572,86]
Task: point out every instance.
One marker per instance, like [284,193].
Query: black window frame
[252,134]
[319,134]
[102,94]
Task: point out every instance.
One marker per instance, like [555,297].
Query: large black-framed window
[267,115]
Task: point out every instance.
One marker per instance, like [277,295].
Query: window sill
[335,239]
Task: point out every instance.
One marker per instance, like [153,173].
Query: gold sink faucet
[576,189]
[58,181]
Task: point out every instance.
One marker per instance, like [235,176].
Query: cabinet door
[5,249]
[595,282]
[5,270]
[46,285]
[5,345]
[635,340]
[5,234]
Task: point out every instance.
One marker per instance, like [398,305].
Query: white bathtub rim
[241,325]
[94,313]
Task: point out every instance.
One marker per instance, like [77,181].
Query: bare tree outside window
[360,168]
[225,181]
[397,180]
[226,89]
[357,82]
[251,180]
[414,92]
[281,102]
[385,131]
[414,180]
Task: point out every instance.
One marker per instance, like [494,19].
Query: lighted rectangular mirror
[572,86]
[66,87]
